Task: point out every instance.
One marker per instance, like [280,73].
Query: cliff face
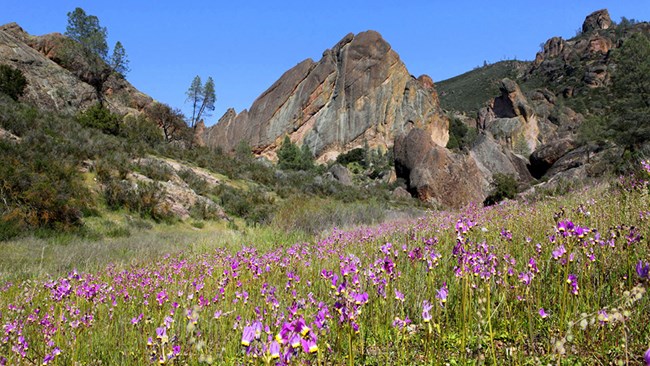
[360,92]
[52,86]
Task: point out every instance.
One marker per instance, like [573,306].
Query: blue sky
[246,45]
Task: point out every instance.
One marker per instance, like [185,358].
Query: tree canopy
[86,30]
[90,53]
[202,98]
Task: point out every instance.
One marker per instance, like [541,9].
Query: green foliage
[143,198]
[461,137]
[171,121]
[85,29]
[39,190]
[255,206]
[292,157]
[12,81]
[505,186]
[357,155]
[101,118]
[119,61]
[629,122]
[202,98]
[138,130]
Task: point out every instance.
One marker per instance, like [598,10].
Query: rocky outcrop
[492,158]
[510,119]
[436,175]
[177,197]
[597,20]
[359,93]
[8,136]
[543,158]
[55,85]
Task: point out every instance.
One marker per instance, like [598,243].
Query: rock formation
[359,93]
[436,175]
[510,119]
[51,86]
[597,20]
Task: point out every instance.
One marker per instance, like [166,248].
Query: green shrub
[143,198]
[505,187]
[255,206]
[12,81]
[156,170]
[292,157]
[198,184]
[141,130]
[101,118]
[357,155]
[460,136]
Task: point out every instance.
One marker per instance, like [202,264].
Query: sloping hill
[470,91]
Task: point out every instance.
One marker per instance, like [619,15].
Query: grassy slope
[470,91]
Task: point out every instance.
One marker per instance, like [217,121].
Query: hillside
[470,91]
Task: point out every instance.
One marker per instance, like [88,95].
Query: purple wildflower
[573,281]
[442,294]
[543,313]
[643,270]
[399,296]
[274,350]
[426,311]
[248,336]
[309,345]
[646,357]
[559,252]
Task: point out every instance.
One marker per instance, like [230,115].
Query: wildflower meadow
[556,281]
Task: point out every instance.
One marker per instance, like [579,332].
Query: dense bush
[292,157]
[12,81]
[255,206]
[460,136]
[505,186]
[141,130]
[142,197]
[39,190]
[357,155]
[101,118]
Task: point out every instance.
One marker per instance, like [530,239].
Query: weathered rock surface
[597,20]
[492,158]
[436,175]
[51,86]
[341,174]
[8,136]
[543,158]
[359,92]
[511,120]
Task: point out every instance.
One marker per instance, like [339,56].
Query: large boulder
[597,20]
[546,155]
[492,158]
[359,93]
[434,174]
[341,174]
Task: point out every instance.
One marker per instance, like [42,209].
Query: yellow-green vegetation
[559,281]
